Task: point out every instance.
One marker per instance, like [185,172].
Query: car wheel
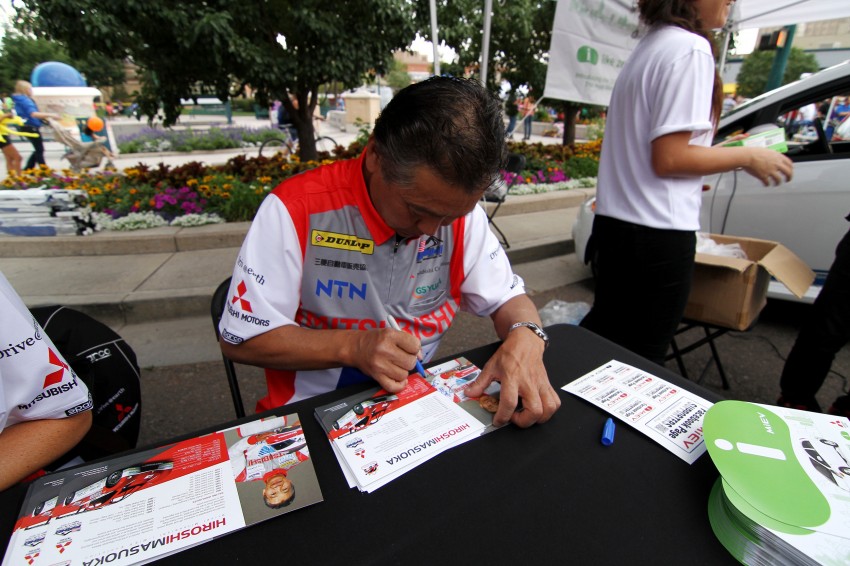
[358,409]
[113,478]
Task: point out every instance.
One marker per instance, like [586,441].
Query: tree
[278,47]
[20,54]
[520,36]
[752,77]
[398,77]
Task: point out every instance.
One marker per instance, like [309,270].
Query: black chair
[219,299]
[514,164]
[711,332]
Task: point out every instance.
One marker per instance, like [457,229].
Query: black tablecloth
[548,494]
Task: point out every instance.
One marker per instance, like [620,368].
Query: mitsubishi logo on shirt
[241,289]
[54,377]
[122,410]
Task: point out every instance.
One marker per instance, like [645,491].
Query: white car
[807,215]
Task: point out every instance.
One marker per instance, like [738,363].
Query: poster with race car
[135,508]
[377,435]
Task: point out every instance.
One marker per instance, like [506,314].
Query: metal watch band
[534,328]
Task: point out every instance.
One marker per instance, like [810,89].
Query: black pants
[37,157]
[643,278]
[824,333]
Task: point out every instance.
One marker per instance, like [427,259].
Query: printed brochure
[135,509]
[666,413]
[784,494]
[377,436]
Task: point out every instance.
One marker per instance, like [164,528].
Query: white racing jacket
[319,255]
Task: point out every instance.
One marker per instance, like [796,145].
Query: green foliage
[580,167]
[398,77]
[520,36]
[152,140]
[755,70]
[279,47]
[242,104]
[20,54]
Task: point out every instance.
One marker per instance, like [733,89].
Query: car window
[816,118]
[811,126]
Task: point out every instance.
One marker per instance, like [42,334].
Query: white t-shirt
[35,381]
[665,87]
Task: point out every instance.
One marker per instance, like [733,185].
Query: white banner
[591,40]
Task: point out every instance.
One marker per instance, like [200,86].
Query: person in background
[334,252]
[10,152]
[26,108]
[45,409]
[526,109]
[511,111]
[729,103]
[825,332]
[664,108]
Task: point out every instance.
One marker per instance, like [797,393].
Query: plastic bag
[562,312]
[706,245]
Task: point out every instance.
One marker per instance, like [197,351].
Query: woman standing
[663,111]
[26,109]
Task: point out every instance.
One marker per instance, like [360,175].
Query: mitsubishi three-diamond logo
[55,377]
[241,289]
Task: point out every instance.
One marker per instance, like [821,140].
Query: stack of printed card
[784,494]
[377,436]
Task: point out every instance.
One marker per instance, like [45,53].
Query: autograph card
[666,413]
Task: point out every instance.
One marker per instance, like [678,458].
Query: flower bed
[199,194]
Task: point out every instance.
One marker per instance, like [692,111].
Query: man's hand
[388,356]
[518,366]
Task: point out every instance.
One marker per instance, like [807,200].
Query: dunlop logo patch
[342,242]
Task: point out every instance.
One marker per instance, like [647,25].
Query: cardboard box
[730,292]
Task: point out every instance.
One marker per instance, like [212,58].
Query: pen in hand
[394,325]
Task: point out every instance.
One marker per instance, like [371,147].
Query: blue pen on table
[608,432]
[394,325]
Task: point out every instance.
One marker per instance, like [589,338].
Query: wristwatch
[534,328]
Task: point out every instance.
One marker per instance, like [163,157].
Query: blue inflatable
[54,73]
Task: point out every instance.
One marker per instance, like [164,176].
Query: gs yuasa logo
[342,242]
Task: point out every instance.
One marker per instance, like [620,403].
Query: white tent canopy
[749,14]
[592,39]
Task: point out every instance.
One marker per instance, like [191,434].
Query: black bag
[108,367]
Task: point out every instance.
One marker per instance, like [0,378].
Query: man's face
[420,208]
[278,489]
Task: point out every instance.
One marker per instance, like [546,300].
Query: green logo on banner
[587,54]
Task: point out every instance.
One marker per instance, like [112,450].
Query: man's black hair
[453,126]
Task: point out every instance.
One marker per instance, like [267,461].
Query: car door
[807,214]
